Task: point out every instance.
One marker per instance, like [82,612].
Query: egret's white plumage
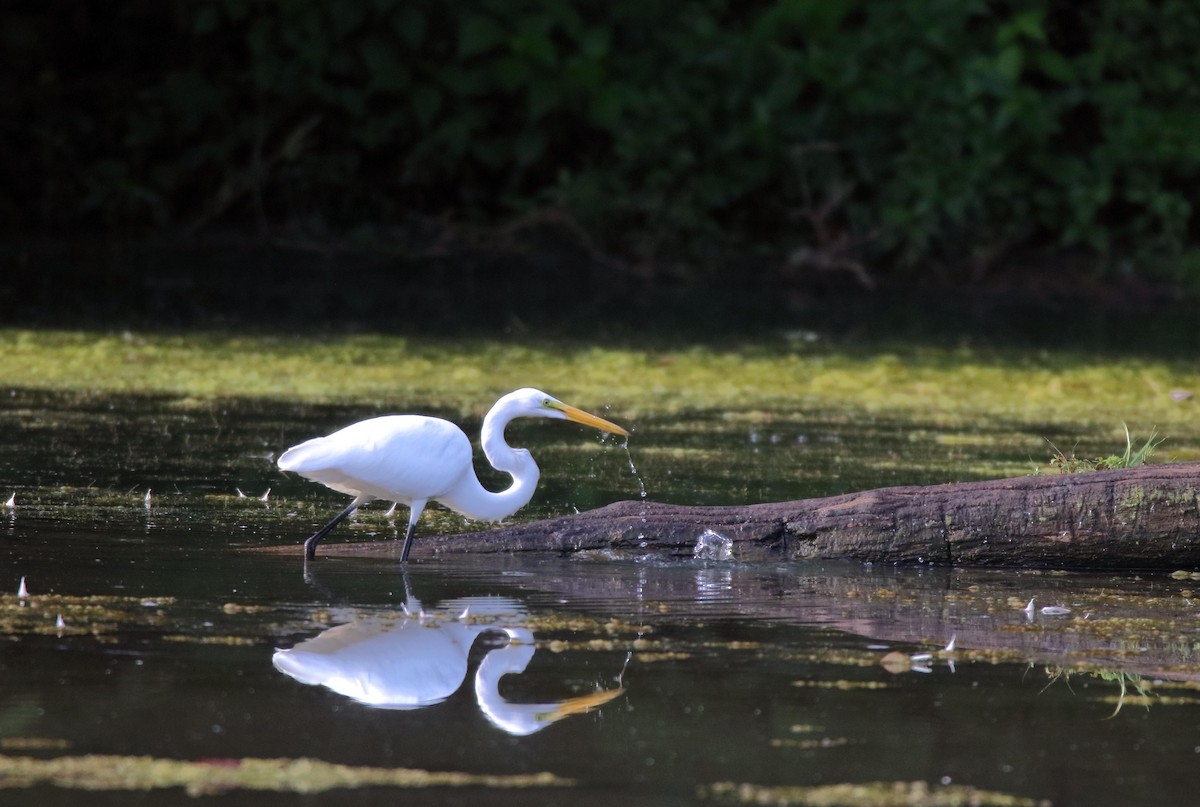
[413,460]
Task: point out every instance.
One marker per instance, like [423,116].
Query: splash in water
[712,545]
[633,470]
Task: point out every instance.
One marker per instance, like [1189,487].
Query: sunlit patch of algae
[869,794]
[945,386]
[102,617]
[96,614]
[198,778]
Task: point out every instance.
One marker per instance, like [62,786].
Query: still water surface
[187,659]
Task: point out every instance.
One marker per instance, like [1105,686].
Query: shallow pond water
[157,649]
[639,681]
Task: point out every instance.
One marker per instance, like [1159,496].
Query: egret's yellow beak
[587,419]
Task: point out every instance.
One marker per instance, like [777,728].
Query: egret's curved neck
[472,499]
[519,719]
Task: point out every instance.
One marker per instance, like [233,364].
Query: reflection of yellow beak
[588,419]
[577,706]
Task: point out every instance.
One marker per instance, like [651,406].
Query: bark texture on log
[1147,517]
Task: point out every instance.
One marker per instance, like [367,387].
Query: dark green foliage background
[958,134]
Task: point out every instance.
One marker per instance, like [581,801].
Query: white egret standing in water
[413,460]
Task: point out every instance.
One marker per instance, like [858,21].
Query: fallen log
[1146,517]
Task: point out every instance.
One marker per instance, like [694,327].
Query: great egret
[413,460]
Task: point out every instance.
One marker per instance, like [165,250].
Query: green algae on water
[867,794]
[209,777]
[465,376]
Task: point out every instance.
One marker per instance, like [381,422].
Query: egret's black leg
[415,508]
[310,546]
[408,541]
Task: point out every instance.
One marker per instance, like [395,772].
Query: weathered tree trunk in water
[1142,517]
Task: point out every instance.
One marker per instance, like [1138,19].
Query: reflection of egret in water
[417,659]
[524,718]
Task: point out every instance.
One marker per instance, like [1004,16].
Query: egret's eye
[546,403]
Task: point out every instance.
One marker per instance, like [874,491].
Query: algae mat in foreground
[207,777]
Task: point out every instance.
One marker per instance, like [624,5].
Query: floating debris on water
[712,545]
[22,591]
[1046,610]
[920,662]
[897,662]
[12,501]
[241,494]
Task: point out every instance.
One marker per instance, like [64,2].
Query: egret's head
[535,403]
